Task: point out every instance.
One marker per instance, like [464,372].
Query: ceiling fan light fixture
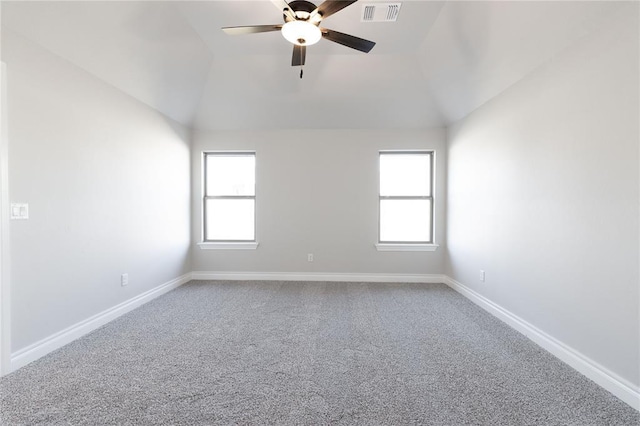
[302,33]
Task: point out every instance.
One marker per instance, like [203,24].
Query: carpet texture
[310,354]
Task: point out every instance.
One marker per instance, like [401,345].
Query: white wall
[107,181]
[543,195]
[5,297]
[317,192]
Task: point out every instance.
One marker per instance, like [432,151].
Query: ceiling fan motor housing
[300,6]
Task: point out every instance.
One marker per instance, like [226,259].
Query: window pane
[405,220]
[231,174]
[230,220]
[405,174]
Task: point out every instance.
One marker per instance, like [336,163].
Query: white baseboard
[47,345]
[607,379]
[319,276]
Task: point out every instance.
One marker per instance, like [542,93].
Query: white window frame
[226,244]
[409,245]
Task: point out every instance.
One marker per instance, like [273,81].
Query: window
[229,201]
[406,200]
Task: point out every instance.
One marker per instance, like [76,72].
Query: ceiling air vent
[380,12]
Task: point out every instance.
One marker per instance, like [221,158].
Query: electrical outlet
[481,275]
[310,257]
[124,279]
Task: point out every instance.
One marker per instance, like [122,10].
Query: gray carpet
[306,353]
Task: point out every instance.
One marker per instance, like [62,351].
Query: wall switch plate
[310,257]
[124,279]
[19,211]
[481,275]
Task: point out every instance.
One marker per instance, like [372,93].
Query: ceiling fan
[302,27]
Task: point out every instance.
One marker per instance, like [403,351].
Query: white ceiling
[437,63]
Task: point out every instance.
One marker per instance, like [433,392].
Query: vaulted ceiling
[438,62]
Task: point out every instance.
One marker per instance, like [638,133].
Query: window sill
[228,246]
[406,247]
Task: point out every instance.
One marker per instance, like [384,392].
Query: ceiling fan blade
[251,29]
[280,4]
[283,7]
[329,7]
[299,55]
[348,40]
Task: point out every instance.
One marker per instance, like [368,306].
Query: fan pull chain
[301,72]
